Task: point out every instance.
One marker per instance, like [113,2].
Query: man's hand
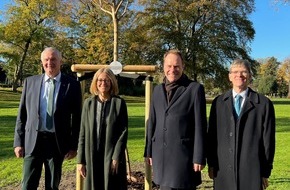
[71,154]
[265,182]
[148,161]
[19,151]
[82,169]
[114,167]
[197,167]
[210,172]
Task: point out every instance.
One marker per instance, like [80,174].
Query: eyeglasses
[239,72]
[103,80]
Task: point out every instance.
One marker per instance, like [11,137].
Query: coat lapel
[176,95]
[38,90]
[93,113]
[228,100]
[164,99]
[251,99]
[63,88]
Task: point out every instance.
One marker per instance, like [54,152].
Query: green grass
[11,167]
[136,131]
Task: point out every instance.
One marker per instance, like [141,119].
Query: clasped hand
[83,171]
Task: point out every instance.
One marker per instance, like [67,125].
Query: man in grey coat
[176,128]
[46,137]
[241,135]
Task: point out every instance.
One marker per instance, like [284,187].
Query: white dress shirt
[43,101]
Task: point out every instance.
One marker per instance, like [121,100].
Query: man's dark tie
[238,99]
[50,104]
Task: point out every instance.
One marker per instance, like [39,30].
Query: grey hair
[241,62]
[52,49]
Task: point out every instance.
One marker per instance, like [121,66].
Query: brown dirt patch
[68,181]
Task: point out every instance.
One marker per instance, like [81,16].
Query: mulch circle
[137,182]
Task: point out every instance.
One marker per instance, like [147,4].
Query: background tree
[266,82]
[209,33]
[283,78]
[28,23]
[92,30]
[116,9]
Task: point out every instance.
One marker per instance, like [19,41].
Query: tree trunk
[115,22]
[18,71]
[14,81]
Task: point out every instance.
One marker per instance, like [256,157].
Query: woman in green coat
[103,136]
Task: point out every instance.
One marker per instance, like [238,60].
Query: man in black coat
[38,139]
[241,135]
[176,128]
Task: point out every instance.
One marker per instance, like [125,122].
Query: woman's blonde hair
[114,90]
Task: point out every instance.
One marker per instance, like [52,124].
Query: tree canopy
[210,34]
[29,26]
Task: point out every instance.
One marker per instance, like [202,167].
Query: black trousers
[169,188]
[45,154]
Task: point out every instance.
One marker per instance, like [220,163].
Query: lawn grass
[11,167]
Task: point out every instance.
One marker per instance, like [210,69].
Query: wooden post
[83,84]
[126,68]
[79,179]
[149,69]
[148,97]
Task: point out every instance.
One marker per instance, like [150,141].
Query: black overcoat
[115,144]
[175,134]
[241,150]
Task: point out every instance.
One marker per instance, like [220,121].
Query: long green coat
[114,145]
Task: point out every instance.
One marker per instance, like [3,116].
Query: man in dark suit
[241,135]
[176,128]
[46,137]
